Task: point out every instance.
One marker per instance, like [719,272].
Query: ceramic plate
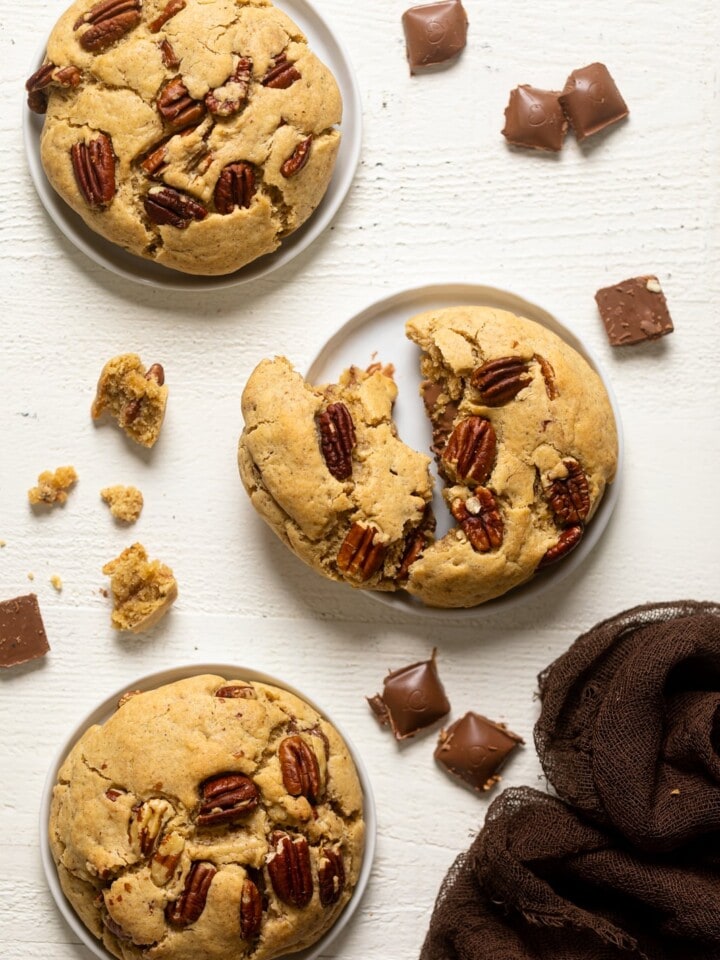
[325,43]
[378,333]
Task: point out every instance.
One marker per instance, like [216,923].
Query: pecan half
[225,798]
[163,205]
[169,57]
[546,368]
[297,159]
[236,692]
[359,555]
[300,769]
[171,8]
[166,859]
[569,496]
[569,539]
[132,409]
[251,910]
[480,520]
[337,439]
[229,99]
[331,876]
[191,902]
[112,794]
[235,188]
[94,168]
[470,451]
[153,162]
[146,823]
[289,869]
[499,381]
[282,75]
[177,107]
[156,372]
[108,21]
[48,74]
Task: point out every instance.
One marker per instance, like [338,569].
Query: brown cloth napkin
[627,863]
[629,731]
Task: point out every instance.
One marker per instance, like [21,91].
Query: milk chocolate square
[535,119]
[434,33]
[475,748]
[634,310]
[592,101]
[22,633]
[413,698]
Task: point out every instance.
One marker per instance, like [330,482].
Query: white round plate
[324,42]
[378,333]
[106,709]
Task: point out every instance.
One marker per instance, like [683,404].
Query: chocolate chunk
[634,310]
[474,748]
[591,100]
[535,119]
[22,633]
[413,698]
[442,415]
[434,33]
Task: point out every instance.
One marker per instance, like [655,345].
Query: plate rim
[103,710]
[102,251]
[402,602]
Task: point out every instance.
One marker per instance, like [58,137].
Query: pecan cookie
[523,433]
[209,818]
[326,470]
[195,134]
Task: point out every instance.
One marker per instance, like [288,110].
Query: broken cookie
[133,396]
[52,486]
[143,590]
[125,503]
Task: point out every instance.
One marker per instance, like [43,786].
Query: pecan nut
[470,451]
[337,439]
[112,794]
[235,188]
[171,9]
[232,96]
[289,869]
[147,821]
[297,159]
[132,409]
[177,107]
[548,373]
[191,902]
[282,75]
[107,22]
[251,910]
[359,556]
[236,692]
[499,381]
[169,57]
[416,541]
[166,859]
[300,769]
[480,520]
[569,496]
[225,798]
[331,876]
[569,539]
[166,206]
[48,74]
[94,168]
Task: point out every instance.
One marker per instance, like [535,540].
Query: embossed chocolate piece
[534,118]
[592,101]
[22,632]
[413,698]
[434,33]
[475,748]
[634,310]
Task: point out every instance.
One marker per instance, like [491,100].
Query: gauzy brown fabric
[539,883]
[629,731]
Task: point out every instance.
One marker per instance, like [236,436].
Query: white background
[438,197]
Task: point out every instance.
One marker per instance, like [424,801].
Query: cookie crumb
[3,543]
[31,576]
[143,590]
[133,396]
[53,486]
[125,503]
[56,581]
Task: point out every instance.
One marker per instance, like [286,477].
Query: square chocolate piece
[22,633]
[475,748]
[434,33]
[591,100]
[535,119]
[413,698]
[634,310]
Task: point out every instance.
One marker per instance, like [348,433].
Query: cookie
[526,444]
[194,134]
[133,396]
[143,590]
[326,470]
[211,817]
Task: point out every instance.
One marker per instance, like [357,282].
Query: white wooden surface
[438,197]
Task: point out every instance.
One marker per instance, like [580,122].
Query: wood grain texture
[438,197]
